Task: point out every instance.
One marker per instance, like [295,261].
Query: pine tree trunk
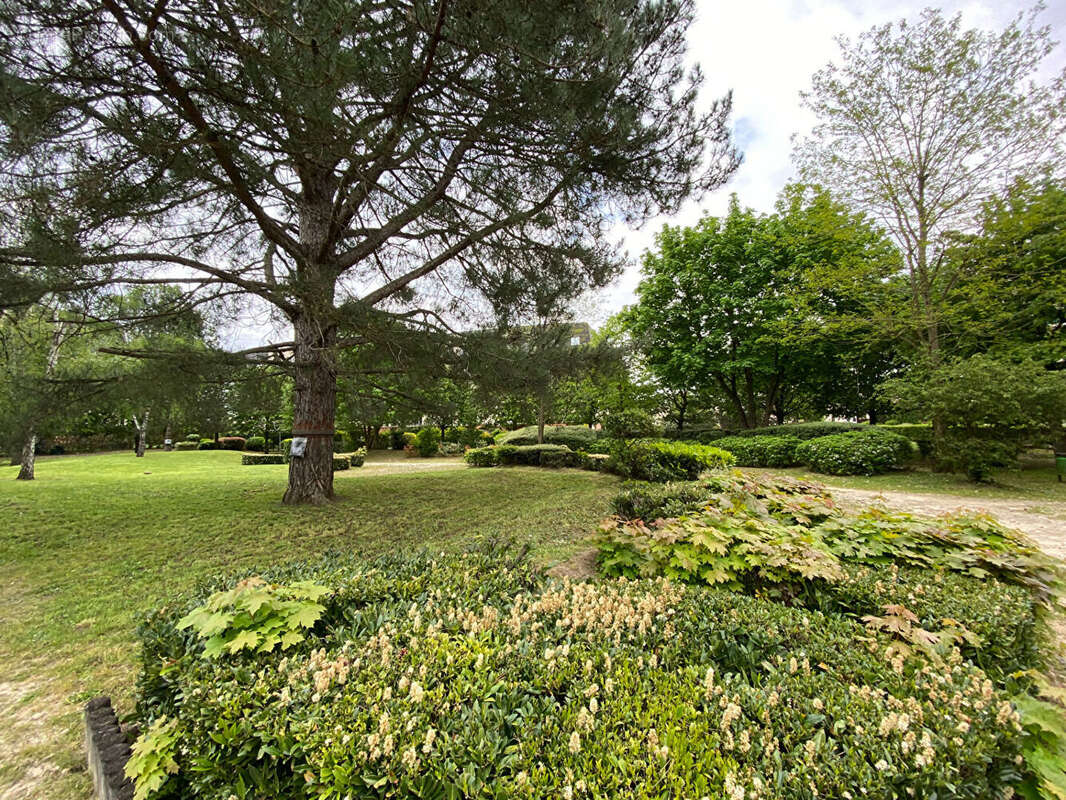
[314,413]
[29,458]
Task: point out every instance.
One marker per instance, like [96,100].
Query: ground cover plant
[788,540]
[473,676]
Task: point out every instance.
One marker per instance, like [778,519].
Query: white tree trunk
[29,446]
[142,431]
[29,458]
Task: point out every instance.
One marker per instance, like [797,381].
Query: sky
[765,51]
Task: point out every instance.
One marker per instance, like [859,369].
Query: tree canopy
[343,162]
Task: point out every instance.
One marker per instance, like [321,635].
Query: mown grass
[98,539]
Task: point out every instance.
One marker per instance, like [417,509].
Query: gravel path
[1045,522]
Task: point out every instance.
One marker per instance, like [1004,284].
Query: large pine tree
[343,160]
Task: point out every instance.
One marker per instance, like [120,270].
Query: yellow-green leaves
[152,761]
[255,615]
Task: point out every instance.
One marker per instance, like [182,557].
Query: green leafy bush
[427,442]
[186,445]
[661,461]
[286,448]
[193,437]
[920,434]
[576,437]
[471,676]
[231,442]
[559,459]
[255,616]
[151,761]
[805,430]
[409,439]
[256,444]
[527,455]
[451,448]
[976,457]
[482,457]
[868,452]
[262,458]
[207,444]
[357,457]
[341,463]
[761,451]
[705,434]
[773,538]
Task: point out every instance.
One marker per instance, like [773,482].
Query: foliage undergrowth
[473,676]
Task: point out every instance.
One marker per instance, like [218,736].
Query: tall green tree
[344,162]
[1010,295]
[920,124]
[748,306]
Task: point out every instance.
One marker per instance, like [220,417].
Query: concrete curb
[108,751]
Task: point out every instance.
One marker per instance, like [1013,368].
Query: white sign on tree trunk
[299,445]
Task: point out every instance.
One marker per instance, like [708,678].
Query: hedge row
[576,437]
[472,676]
[249,459]
[535,455]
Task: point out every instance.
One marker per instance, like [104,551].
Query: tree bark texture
[314,411]
[142,432]
[29,458]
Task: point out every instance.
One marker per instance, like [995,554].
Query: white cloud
[766,52]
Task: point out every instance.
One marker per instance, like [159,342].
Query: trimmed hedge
[761,451]
[186,445]
[207,444]
[341,463]
[231,442]
[806,430]
[472,676]
[576,437]
[256,444]
[262,458]
[661,461]
[482,457]
[193,437]
[356,458]
[527,455]
[868,452]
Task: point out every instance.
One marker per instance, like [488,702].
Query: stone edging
[108,751]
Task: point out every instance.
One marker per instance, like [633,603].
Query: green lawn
[97,539]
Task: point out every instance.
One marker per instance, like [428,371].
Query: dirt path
[1045,522]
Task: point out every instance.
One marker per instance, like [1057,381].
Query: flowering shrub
[788,538]
[761,451]
[867,452]
[661,461]
[471,676]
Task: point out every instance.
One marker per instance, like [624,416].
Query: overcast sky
[766,52]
